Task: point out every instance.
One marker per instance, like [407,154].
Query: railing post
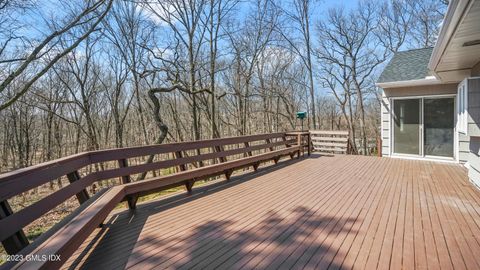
[219,148]
[269,141]
[122,163]
[17,241]
[309,141]
[182,168]
[131,200]
[82,196]
[247,145]
[299,143]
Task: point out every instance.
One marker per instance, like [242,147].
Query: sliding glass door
[424,126]
[406,126]
[439,122]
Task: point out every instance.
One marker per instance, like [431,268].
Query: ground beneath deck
[336,212]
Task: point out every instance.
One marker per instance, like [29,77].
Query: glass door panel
[439,127]
[406,127]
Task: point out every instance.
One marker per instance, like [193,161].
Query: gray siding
[474,107]
[463,147]
[474,160]
[474,126]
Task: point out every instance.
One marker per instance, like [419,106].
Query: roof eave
[455,12]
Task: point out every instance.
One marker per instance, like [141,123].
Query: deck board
[336,212]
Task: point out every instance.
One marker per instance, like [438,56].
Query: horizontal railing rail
[211,157]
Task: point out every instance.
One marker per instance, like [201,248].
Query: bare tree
[184,20]
[219,10]
[248,45]
[348,40]
[427,16]
[42,56]
[298,23]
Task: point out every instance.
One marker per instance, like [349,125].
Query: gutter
[426,81]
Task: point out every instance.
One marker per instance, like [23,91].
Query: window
[462,107]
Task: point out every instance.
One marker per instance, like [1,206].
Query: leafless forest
[96,74]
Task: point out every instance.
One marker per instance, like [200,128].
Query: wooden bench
[330,141]
[66,238]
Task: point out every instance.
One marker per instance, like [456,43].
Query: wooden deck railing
[330,141]
[217,156]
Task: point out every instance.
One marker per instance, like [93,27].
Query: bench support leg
[228,174]
[276,159]
[132,202]
[17,241]
[255,166]
[189,186]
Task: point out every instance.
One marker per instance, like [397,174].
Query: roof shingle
[407,65]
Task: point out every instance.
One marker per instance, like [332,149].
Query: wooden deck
[338,212]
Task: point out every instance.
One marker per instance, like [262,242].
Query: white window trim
[462,107]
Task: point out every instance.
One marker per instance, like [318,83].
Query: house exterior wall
[425,90]
[476,70]
[474,107]
[474,126]
[474,161]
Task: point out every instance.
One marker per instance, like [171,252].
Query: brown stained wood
[77,187]
[18,181]
[309,144]
[179,155]
[219,149]
[106,155]
[21,180]
[271,148]
[123,163]
[151,184]
[247,146]
[269,142]
[82,196]
[228,174]
[338,212]
[64,241]
[189,185]
[18,240]
[32,212]
[284,139]
[131,200]
[182,168]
